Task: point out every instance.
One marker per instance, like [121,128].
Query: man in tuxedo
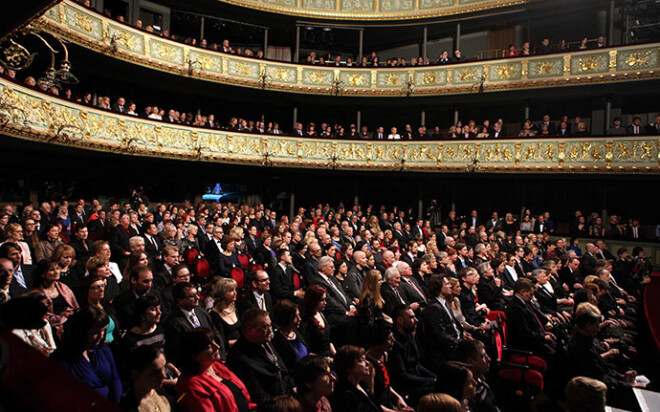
[152,244]
[141,278]
[186,316]
[442,331]
[285,283]
[519,254]
[473,220]
[497,130]
[21,280]
[570,275]
[81,244]
[380,133]
[411,379]
[634,231]
[525,325]
[79,216]
[356,275]
[256,362]
[391,292]
[252,240]
[213,249]
[636,128]
[563,129]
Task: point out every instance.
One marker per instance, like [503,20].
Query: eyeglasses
[263,280]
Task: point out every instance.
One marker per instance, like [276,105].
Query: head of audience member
[473,354]
[141,279]
[286,316]
[458,381]
[438,402]
[146,312]
[257,327]
[180,273]
[314,300]
[585,394]
[171,256]
[46,273]
[587,319]
[351,364]
[200,351]
[524,289]
[12,252]
[84,330]
[186,296]
[147,364]
[281,403]
[314,379]
[404,319]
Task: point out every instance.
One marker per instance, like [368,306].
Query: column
[458,37]
[265,41]
[610,27]
[360,47]
[608,115]
[602,22]
[455,116]
[526,111]
[420,201]
[425,42]
[423,119]
[292,205]
[295,116]
[296,54]
[359,120]
[201,28]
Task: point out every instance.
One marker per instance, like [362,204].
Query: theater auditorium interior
[329,205]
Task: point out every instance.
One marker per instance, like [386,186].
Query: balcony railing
[30,114]
[90,29]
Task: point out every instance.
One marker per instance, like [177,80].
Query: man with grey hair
[339,308]
[450,242]
[388,261]
[355,276]
[588,261]
[391,290]
[411,291]
[136,243]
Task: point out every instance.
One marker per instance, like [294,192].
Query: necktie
[452,318]
[398,295]
[269,353]
[412,283]
[529,307]
[337,291]
[153,242]
[194,320]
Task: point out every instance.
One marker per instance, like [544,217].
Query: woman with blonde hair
[65,257]
[14,233]
[370,310]
[224,315]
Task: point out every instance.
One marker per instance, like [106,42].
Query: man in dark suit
[588,261]
[81,244]
[442,331]
[469,279]
[411,291]
[141,281]
[356,275]
[21,280]
[79,216]
[636,128]
[570,275]
[386,263]
[548,123]
[284,282]
[526,327]
[164,267]
[653,128]
[494,223]
[410,255]
[186,316]
[213,249]
[202,235]
[473,220]
[311,267]
[252,240]
[256,362]
[390,291]
[152,244]
[119,241]
[257,294]
[339,308]
[411,379]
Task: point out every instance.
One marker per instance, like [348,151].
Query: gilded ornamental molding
[370,10]
[90,29]
[29,114]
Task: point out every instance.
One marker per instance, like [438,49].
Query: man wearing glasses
[257,294]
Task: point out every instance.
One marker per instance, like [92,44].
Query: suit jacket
[212,254]
[390,297]
[336,306]
[124,304]
[468,307]
[524,330]
[250,301]
[403,365]
[568,277]
[310,270]
[547,301]
[82,252]
[587,265]
[489,293]
[509,282]
[177,324]
[439,336]
[281,283]
[119,243]
[252,245]
[353,282]
[262,377]
[15,289]
[151,250]
[409,294]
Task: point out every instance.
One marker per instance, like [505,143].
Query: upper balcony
[370,10]
[117,40]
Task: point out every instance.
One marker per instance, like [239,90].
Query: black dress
[369,316]
[228,331]
[347,398]
[318,339]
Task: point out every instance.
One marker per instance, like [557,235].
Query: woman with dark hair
[228,259]
[27,316]
[381,342]
[48,242]
[92,293]
[287,340]
[282,403]
[147,371]
[314,383]
[85,355]
[457,382]
[314,325]
[61,301]
[265,255]
[206,384]
[353,370]
[136,258]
